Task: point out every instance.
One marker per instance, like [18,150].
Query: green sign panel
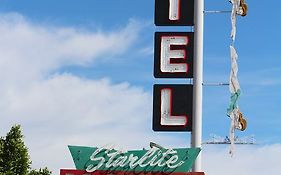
[154,160]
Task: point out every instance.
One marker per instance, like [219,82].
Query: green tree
[14,158]
[44,171]
[1,155]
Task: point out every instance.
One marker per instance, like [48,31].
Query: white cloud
[248,160]
[60,109]
[149,50]
[30,51]
[68,110]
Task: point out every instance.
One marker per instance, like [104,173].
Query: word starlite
[110,158]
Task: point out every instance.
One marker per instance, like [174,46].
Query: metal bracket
[217,11]
[152,144]
[215,84]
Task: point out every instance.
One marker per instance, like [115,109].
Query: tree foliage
[14,158]
[1,155]
[44,171]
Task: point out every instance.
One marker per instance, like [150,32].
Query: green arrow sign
[153,160]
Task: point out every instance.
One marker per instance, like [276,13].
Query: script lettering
[110,158]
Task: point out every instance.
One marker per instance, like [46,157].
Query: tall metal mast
[196,138]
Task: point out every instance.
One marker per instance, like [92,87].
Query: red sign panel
[82,172]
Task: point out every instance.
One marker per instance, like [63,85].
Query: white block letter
[166,110]
[174,10]
[167,54]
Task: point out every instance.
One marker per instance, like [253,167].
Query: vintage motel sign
[103,160]
[173,58]
[172,107]
[173,55]
[174,12]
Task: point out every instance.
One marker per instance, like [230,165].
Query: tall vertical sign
[173,58]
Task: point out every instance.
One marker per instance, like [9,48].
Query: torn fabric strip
[234,87]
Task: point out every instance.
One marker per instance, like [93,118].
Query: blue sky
[58,74]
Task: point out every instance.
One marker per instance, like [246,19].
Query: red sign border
[99,172]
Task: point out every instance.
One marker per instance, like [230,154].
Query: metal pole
[196,135]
